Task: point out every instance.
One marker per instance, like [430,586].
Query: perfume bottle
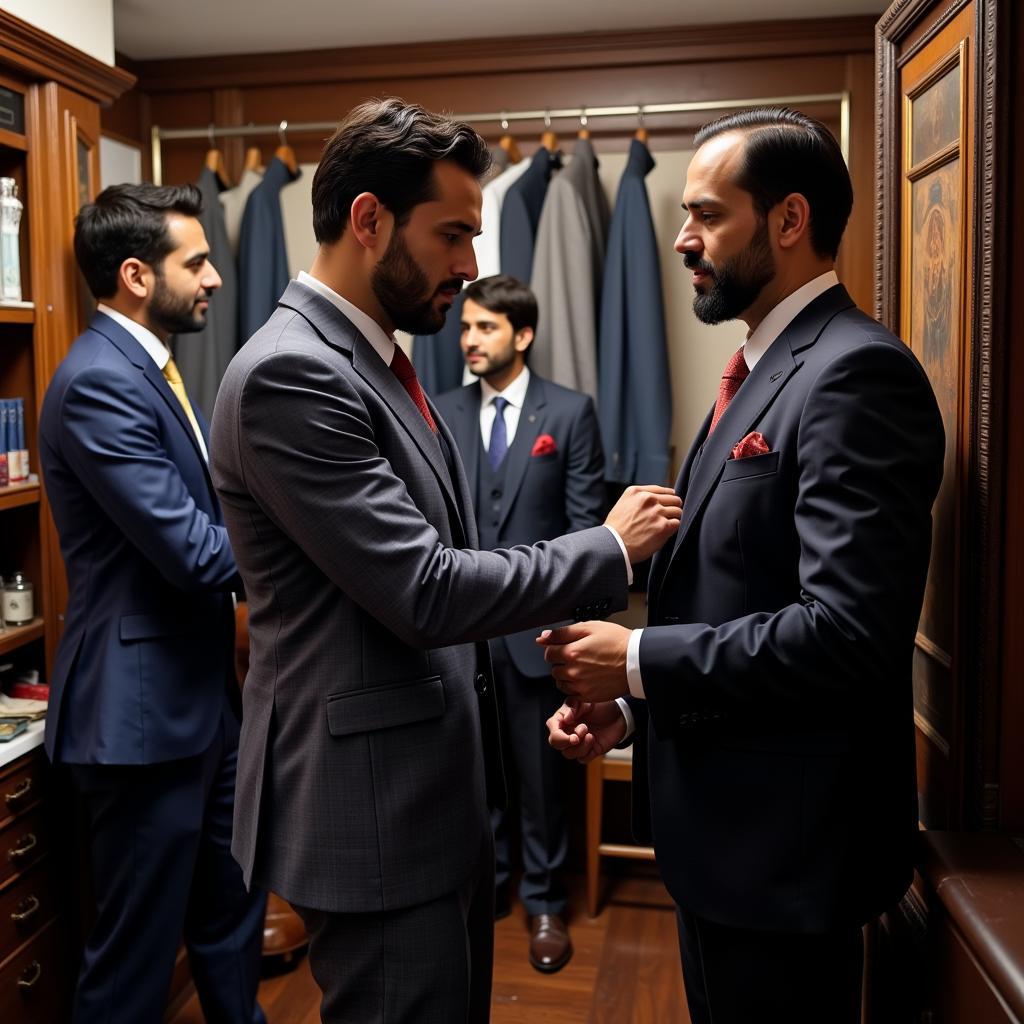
[10,258]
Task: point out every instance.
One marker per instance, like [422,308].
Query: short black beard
[496,367]
[175,314]
[736,286]
[403,290]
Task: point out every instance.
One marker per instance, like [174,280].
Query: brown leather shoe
[550,946]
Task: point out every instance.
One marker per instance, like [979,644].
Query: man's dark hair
[506,294]
[389,148]
[786,152]
[126,221]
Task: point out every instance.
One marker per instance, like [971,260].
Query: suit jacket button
[480,684]
[496,493]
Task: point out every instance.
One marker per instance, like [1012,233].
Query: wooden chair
[615,766]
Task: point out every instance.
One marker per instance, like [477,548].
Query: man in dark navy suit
[771,689]
[533,455]
[144,708]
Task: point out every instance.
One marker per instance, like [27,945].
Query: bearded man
[370,744]
[771,689]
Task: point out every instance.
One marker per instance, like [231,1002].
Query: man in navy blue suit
[771,689]
[144,707]
[535,464]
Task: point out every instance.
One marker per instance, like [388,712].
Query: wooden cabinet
[37,961]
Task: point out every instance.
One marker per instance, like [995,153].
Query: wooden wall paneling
[1008,316]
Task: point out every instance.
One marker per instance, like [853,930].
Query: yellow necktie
[178,387]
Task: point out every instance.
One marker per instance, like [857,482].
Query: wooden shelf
[14,637]
[23,313]
[13,140]
[16,495]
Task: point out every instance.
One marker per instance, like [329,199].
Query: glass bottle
[17,601]
[10,224]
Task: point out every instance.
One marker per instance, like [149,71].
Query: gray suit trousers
[426,964]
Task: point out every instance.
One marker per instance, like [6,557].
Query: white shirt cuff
[633,677]
[625,553]
[627,714]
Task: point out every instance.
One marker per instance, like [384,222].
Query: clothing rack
[506,117]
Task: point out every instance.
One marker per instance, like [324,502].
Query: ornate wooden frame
[909,25]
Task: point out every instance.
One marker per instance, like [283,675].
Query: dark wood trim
[42,56]
[826,36]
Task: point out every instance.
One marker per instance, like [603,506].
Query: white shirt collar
[157,350]
[514,393]
[382,342]
[782,315]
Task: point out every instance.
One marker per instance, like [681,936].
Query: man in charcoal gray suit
[370,740]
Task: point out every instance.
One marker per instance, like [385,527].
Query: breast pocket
[754,466]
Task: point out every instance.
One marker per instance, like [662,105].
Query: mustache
[453,284]
[693,262]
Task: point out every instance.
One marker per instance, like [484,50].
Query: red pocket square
[753,444]
[544,445]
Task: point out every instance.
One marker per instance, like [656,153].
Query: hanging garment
[262,257]
[568,266]
[520,214]
[634,395]
[438,357]
[202,357]
[233,202]
[499,162]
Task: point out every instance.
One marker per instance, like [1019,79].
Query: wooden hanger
[641,133]
[253,159]
[215,162]
[284,152]
[509,144]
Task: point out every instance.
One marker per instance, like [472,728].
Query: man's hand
[583,731]
[588,659]
[645,517]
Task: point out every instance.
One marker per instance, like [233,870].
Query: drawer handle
[27,908]
[30,975]
[17,796]
[22,848]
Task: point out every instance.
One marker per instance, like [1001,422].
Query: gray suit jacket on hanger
[202,358]
[369,712]
[568,264]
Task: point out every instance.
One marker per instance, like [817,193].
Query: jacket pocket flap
[755,465]
[146,625]
[384,707]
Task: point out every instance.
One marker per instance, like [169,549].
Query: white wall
[87,25]
[697,353]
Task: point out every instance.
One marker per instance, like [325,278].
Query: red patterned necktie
[735,374]
[404,371]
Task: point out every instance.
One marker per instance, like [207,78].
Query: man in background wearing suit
[533,455]
[144,708]
[772,687]
[370,738]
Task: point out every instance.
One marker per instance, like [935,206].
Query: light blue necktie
[499,434]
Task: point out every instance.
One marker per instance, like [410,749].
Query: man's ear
[794,219]
[136,277]
[523,339]
[369,219]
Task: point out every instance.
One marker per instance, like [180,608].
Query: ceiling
[151,29]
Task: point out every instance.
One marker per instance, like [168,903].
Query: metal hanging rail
[505,117]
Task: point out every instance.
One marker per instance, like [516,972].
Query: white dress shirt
[758,342]
[515,395]
[155,349]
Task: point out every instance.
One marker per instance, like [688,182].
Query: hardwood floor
[625,969]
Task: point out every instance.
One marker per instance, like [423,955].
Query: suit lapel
[130,348]
[336,330]
[771,374]
[531,422]
[464,508]
[465,425]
